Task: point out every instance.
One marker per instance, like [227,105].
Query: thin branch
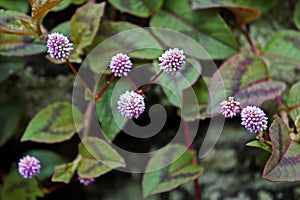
[244,29]
[99,95]
[79,77]
[150,83]
[188,142]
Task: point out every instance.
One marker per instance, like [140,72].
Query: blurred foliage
[255,45]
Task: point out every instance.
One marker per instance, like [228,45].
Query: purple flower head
[254,119]
[86,181]
[120,65]
[29,166]
[172,60]
[131,104]
[230,107]
[59,47]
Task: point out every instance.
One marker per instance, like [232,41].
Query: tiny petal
[86,181]
[59,46]
[120,65]
[172,60]
[254,119]
[29,166]
[131,104]
[230,107]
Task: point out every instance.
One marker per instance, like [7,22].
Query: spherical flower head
[254,119]
[131,104]
[230,107]
[59,47]
[120,65]
[86,181]
[29,166]
[172,60]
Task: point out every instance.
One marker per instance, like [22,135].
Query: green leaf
[85,23]
[96,149]
[48,160]
[8,66]
[137,7]
[180,171]
[297,124]
[215,37]
[16,45]
[10,117]
[16,187]
[297,15]
[10,22]
[246,10]
[53,124]
[259,144]
[21,6]
[63,28]
[64,173]
[79,2]
[293,101]
[245,77]
[285,44]
[111,120]
[62,5]
[283,164]
[140,44]
[245,14]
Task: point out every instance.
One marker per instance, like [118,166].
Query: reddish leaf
[284,163]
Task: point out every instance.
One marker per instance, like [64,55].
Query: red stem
[113,14]
[133,85]
[188,142]
[79,77]
[98,96]
[244,29]
[150,83]
[283,113]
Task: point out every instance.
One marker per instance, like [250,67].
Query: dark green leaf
[215,36]
[53,124]
[137,7]
[283,164]
[10,22]
[8,66]
[85,23]
[140,44]
[10,116]
[297,15]
[245,77]
[62,5]
[15,45]
[245,14]
[16,187]
[111,120]
[293,101]
[180,171]
[21,6]
[48,160]
[64,173]
[259,144]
